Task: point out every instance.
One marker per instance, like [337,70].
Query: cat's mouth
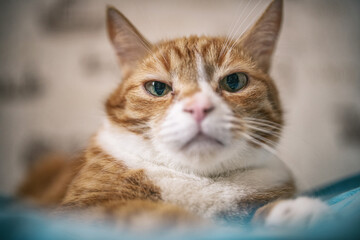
[202,139]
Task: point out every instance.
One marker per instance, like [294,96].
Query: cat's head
[206,104]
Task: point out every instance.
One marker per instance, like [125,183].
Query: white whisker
[231,35]
[264,131]
[261,144]
[262,120]
[237,40]
[265,140]
[259,124]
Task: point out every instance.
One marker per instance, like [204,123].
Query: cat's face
[201,102]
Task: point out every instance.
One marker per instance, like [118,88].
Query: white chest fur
[202,195]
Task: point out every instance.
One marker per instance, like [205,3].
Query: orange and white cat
[188,132]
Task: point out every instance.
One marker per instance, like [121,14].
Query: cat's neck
[221,192]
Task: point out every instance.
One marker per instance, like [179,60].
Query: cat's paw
[301,212]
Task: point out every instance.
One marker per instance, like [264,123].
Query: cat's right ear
[129,44]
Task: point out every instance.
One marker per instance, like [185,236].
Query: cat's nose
[198,105]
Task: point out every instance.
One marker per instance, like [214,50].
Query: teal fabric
[18,221]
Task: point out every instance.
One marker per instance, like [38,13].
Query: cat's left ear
[260,40]
[129,44]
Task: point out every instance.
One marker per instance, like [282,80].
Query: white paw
[297,213]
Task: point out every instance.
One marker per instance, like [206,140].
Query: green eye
[234,82]
[157,89]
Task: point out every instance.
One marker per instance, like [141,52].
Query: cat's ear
[260,40]
[129,44]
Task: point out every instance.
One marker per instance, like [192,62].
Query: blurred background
[57,67]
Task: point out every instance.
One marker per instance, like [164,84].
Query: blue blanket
[18,221]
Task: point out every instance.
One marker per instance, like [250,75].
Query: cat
[188,135]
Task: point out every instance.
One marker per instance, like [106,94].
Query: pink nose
[199,105]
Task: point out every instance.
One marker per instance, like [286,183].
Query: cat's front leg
[300,212]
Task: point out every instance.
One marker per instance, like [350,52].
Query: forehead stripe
[202,76]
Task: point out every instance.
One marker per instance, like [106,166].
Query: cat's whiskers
[237,29]
[249,127]
[240,36]
[266,128]
[262,120]
[234,26]
[256,122]
[276,134]
[239,125]
[261,144]
[262,124]
[263,139]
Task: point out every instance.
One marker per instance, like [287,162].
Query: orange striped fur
[110,186]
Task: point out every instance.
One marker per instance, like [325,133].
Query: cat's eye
[157,88]
[234,82]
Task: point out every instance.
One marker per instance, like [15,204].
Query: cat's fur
[146,159]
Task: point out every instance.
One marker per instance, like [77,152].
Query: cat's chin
[202,143]
[207,156]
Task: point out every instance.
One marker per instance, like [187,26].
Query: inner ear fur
[129,44]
